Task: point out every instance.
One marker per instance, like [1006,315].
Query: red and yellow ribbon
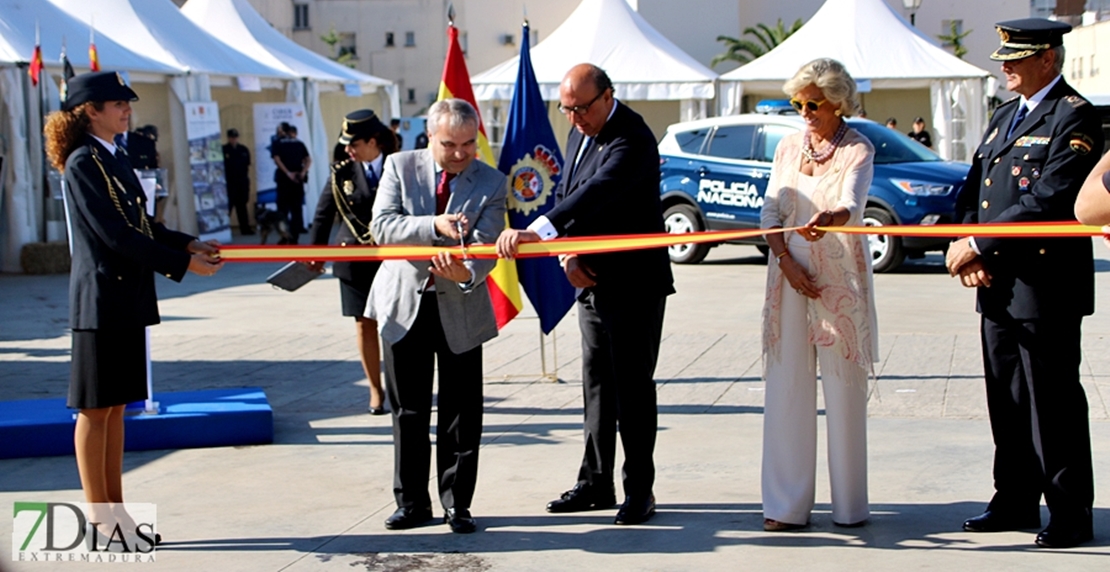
[619,243]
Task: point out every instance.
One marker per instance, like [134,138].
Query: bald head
[586,98]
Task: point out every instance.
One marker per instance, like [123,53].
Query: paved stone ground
[315,499]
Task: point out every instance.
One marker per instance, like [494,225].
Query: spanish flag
[94,59]
[504,286]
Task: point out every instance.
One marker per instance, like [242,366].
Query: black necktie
[121,156]
[1022,111]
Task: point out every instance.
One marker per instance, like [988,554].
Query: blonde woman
[819,308]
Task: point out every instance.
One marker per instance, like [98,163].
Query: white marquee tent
[643,64]
[236,23]
[22,206]
[877,46]
[158,29]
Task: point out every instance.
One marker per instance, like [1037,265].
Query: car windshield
[893,146]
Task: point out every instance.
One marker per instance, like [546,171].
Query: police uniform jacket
[116,246]
[348,194]
[1034,176]
[614,189]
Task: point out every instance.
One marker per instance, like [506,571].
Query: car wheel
[683,219]
[886,251]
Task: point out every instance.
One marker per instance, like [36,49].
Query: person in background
[1033,293]
[349,193]
[919,133]
[116,250]
[293,161]
[820,305]
[395,126]
[892,123]
[237,162]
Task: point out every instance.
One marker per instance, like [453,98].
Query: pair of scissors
[462,238]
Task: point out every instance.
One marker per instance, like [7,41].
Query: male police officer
[1033,292]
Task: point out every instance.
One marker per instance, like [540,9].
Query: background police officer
[1033,292]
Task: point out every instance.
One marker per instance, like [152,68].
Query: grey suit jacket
[404,213]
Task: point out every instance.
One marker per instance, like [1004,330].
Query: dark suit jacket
[347,186]
[1034,176]
[116,246]
[614,189]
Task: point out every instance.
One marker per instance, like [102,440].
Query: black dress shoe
[1065,535]
[460,520]
[636,510]
[582,497]
[994,521]
[376,410]
[408,517]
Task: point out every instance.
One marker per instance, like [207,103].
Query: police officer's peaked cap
[97,86]
[361,124]
[1028,36]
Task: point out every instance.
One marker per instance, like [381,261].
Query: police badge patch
[1081,143]
[348,187]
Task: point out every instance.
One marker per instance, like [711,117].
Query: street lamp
[912,6]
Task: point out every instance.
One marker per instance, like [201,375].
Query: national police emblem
[531,180]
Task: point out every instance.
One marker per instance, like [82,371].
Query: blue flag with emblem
[530,157]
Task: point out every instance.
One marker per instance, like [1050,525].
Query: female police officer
[350,192]
[116,249]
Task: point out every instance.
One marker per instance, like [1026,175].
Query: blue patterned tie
[371,177]
[1022,111]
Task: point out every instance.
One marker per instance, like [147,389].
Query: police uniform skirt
[108,368]
[355,279]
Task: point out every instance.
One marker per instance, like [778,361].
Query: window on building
[389,43]
[411,93]
[410,39]
[300,17]
[346,45]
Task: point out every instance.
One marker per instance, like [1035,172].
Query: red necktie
[443,191]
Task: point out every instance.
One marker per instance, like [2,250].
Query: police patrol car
[715,172]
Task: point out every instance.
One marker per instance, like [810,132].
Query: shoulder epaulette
[1076,101]
[340,164]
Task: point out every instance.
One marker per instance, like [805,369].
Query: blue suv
[715,172]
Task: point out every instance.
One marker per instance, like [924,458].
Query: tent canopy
[870,39]
[17,39]
[157,29]
[240,26]
[643,64]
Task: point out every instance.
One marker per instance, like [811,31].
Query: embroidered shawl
[843,317]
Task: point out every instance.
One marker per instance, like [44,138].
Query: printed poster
[206,162]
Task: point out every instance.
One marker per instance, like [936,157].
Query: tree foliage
[332,39]
[955,39]
[766,38]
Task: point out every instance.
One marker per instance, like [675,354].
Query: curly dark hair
[64,130]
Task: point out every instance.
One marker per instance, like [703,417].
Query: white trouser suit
[790,419]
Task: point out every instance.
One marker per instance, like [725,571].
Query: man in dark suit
[1033,292]
[237,162]
[612,187]
[438,314]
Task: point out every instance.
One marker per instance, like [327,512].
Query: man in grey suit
[437,314]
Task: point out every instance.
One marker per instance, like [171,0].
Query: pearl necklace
[815,157]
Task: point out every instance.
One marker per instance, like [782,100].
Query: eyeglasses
[579,109]
[811,104]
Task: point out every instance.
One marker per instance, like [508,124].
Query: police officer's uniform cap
[1028,36]
[361,124]
[97,86]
